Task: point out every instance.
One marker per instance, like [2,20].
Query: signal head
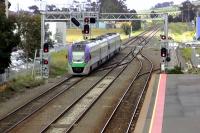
[75,22]
[163,52]
[86,29]
[46,47]
[92,20]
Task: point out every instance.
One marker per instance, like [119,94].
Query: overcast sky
[132,4]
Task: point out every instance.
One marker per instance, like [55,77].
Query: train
[85,56]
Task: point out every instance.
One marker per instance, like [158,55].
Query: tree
[35,9]
[8,40]
[187,11]
[29,28]
[51,7]
[153,14]
[113,6]
[164,4]
[136,24]
[126,28]
[170,18]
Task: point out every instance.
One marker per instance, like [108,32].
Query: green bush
[176,70]
[126,28]
[17,85]
[58,64]
[186,53]
[20,83]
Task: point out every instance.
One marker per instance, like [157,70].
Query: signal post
[45,61]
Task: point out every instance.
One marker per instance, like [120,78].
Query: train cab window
[78,56]
[78,52]
[78,47]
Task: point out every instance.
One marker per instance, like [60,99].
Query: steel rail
[142,93]
[124,94]
[26,115]
[77,100]
[7,123]
[76,121]
[134,39]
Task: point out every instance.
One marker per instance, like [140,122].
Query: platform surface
[174,106]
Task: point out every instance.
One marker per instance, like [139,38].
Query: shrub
[126,28]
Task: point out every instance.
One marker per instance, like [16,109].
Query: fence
[195,58]
[14,71]
[26,68]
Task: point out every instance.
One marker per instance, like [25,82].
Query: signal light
[163,52]
[168,59]
[92,20]
[86,20]
[86,29]
[46,47]
[75,22]
[45,62]
[163,37]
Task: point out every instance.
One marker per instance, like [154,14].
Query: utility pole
[6,8]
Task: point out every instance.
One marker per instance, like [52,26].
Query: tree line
[188,12]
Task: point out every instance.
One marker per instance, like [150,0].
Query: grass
[180,32]
[58,64]
[17,85]
[20,83]
[186,53]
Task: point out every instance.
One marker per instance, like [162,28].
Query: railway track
[138,38]
[31,107]
[20,114]
[71,117]
[124,116]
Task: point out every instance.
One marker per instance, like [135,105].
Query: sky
[131,4]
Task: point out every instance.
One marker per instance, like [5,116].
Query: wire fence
[195,58]
[14,71]
[26,68]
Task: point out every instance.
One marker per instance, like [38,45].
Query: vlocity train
[85,56]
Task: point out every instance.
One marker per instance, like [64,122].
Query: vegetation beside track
[58,64]
[181,32]
[186,53]
[175,70]
[18,85]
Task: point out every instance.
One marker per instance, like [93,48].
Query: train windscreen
[78,47]
[78,52]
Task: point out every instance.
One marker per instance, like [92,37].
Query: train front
[78,59]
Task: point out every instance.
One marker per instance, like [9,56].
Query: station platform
[172,105]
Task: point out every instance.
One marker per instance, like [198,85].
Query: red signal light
[163,52]
[46,48]
[86,29]
[45,62]
[86,20]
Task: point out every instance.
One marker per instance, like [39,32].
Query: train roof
[95,41]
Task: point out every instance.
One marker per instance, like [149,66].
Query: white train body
[85,56]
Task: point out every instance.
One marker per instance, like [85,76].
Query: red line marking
[159,106]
